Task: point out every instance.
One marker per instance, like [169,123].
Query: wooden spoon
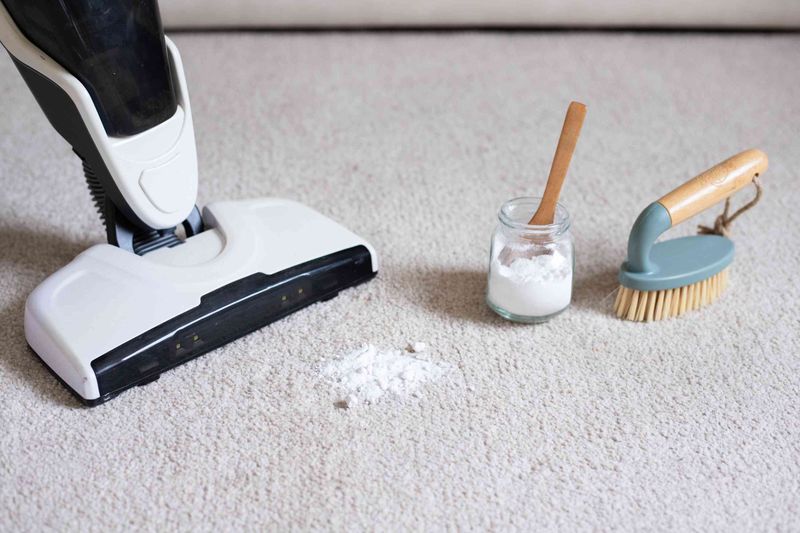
[546,212]
[558,170]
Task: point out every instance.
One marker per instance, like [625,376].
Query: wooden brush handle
[714,185]
[546,212]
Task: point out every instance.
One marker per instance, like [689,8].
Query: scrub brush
[666,279]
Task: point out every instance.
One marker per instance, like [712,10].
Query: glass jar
[530,267]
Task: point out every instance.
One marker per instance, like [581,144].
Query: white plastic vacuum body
[122,313]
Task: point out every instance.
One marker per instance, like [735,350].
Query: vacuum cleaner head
[121,313]
[111,319]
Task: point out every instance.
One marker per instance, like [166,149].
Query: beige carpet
[414,141]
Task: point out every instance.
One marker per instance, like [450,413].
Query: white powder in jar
[535,286]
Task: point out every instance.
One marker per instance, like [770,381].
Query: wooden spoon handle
[546,212]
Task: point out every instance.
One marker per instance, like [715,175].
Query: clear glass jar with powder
[530,267]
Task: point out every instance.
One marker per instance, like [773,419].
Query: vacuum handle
[714,185]
[116,50]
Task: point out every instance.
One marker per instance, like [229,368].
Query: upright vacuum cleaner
[172,283]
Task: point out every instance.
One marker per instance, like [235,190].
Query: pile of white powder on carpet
[367,374]
[532,286]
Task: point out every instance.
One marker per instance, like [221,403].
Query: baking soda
[417,347]
[368,373]
[535,286]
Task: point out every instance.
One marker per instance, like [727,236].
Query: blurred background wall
[751,14]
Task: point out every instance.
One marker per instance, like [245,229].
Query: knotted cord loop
[722,224]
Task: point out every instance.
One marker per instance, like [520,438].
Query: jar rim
[529,204]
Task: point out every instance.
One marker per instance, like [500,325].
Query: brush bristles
[646,306]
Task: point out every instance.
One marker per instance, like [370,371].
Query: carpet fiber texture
[414,141]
